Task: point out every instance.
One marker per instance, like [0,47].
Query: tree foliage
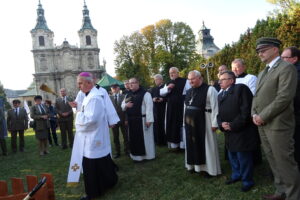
[3,97]
[155,49]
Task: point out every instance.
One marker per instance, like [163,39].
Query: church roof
[86,22]
[41,21]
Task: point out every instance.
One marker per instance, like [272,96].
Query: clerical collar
[87,93]
[242,75]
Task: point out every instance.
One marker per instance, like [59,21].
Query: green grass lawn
[163,178]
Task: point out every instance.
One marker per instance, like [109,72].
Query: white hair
[174,68]
[158,76]
[196,72]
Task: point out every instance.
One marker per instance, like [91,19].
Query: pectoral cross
[190,101]
[75,167]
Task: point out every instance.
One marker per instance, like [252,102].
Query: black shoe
[207,175]
[191,171]
[246,188]
[231,181]
[56,144]
[64,147]
[117,156]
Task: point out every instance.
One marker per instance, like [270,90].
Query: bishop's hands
[226,126]
[73,104]
[257,120]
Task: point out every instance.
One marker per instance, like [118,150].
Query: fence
[18,193]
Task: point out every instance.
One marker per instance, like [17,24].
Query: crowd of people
[182,114]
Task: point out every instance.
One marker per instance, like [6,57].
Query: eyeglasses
[224,79]
[285,57]
[263,50]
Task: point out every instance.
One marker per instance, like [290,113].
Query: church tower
[87,33]
[205,45]
[58,66]
[42,36]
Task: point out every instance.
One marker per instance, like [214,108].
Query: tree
[3,97]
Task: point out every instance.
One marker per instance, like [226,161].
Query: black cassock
[174,118]
[195,102]
[159,110]
[135,122]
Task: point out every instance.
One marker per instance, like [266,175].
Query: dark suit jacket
[19,122]
[40,123]
[62,107]
[3,131]
[118,107]
[273,100]
[235,108]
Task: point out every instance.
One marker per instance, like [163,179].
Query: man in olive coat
[17,122]
[273,113]
[65,118]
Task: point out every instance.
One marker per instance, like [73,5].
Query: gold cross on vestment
[75,167]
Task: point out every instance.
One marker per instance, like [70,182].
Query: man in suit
[273,113]
[221,69]
[292,55]
[17,122]
[117,98]
[234,119]
[65,118]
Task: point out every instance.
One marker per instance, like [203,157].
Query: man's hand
[111,126]
[257,120]
[45,116]
[73,104]
[226,126]
[214,128]
[129,105]
[171,86]
[148,124]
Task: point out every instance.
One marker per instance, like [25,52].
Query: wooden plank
[17,185]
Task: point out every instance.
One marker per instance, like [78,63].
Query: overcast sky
[227,19]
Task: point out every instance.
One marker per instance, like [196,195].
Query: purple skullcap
[85,74]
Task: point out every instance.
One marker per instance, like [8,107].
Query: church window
[41,41]
[88,40]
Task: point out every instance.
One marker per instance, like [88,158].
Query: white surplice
[212,165]
[147,109]
[111,114]
[92,139]
[249,80]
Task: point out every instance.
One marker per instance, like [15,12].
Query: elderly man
[221,69]
[273,113]
[159,111]
[175,92]
[201,109]
[139,110]
[117,99]
[17,122]
[234,120]
[65,118]
[292,55]
[92,143]
[238,67]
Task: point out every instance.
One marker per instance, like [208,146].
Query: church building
[58,66]
[205,44]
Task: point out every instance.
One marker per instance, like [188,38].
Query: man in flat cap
[272,112]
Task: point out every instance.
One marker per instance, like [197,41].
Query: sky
[227,19]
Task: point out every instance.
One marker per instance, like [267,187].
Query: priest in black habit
[201,109]
[175,91]
[139,110]
[159,109]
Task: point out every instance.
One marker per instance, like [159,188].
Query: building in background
[58,66]
[205,44]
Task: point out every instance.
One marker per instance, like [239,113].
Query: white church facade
[58,66]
